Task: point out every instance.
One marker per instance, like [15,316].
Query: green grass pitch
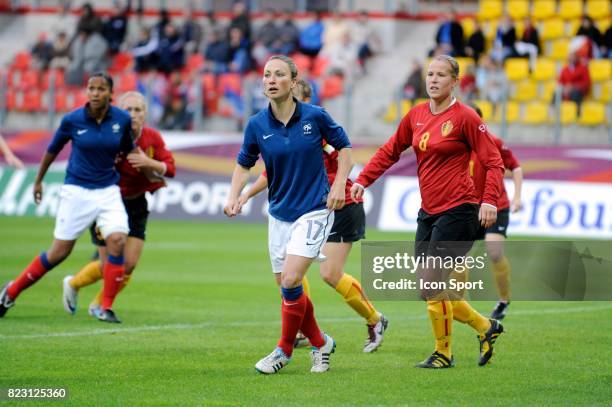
[202,308]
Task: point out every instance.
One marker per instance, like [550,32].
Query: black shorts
[458,224]
[349,224]
[500,226]
[138,213]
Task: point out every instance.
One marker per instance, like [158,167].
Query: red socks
[297,313]
[113,271]
[39,266]
[309,326]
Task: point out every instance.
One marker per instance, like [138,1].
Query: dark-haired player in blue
[98,132]
[288,135]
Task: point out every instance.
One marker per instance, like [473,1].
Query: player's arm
[386,155]
[60,138]
[247,157]
[511,163]
[11,159]
[46,161]
[259,185]
[337,194]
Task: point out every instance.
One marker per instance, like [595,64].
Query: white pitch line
[171,327]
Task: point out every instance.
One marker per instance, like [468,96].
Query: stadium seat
[486,108]
[517,9]
[58,77]
[559,49]
[592,114]
[11,99]
[605,92]
[319,66]
[29,79]
[22,61]
[569,112]
[302,62]
[603,24]
[490,9]
[544,70]
[490,30]
[32,101]
[513,110]
[600,69]
[547,90]
[597,8]
[78,99]
[574,25]
[121,62]
[536,113]
[525,90]
[469,26]
[194,63]
[516,68]
[406,105]
[61,100]
[391,114]
[464,63]
[332,87]
[519,28]
[570,9]
[230,82]
[127,81]
[543,9]
[552,28]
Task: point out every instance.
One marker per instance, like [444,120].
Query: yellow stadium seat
[406,105]
[592,114]
[547,91]
[598,8]
[464,63]
[553,28]
[486,108]
[517,9]
[391,113]
[605,92]
[559,49]
[536,113]
[519,27]
[569,9]
[544,70]
[516,68]
[603,24]
[490,29]
[490,9]
[543,9]
[469,26]
[569,112]
[600,69]
[513,110]
[525,91]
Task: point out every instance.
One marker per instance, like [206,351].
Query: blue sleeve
[61,137]
[332,132]
[249,152]
[127,140]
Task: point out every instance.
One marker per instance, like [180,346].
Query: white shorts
[79,207]
[305,237]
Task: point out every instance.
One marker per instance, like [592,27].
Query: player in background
[98,133]
[442,133]
[152,155]
[11,159]
[348,227]
[496,234]
[288,135]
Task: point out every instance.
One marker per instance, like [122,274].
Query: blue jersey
[94,146]
[293,155]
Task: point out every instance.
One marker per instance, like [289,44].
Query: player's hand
[242,200]
[12,160]
[139,159]
[232,208]
[357,192]
[38,192]
[337,196]
[516,205]
[487,215]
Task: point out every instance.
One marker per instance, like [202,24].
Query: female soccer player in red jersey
[443,132]
[288,135]
[135,170]
[495,234]
[348,227]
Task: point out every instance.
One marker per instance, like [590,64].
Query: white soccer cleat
[375,335]
[70,296]
[272,363]
[320,356]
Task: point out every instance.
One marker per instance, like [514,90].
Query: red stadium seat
[332,86]
[230,82]
[29,79]
[11,99]
[60,99]
[126,82]
[121,62]
[194,63]
[319,67]
[302,62]
[58,77]
[22,61]
[78,99]
[32,101]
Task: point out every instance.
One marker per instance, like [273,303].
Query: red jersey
[132,181]
[442,143]
[478,174]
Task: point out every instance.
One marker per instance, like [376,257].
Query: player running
[442,133]
[348,227]
[153,156]
[288,135]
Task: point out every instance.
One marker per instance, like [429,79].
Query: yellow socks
[501,272]
[98,298]
[441,317]
[89,274]
[306,287]
[350,289]
[463,312]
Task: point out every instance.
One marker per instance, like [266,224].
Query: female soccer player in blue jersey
[98,133]
[288,135]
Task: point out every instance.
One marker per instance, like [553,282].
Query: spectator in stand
[335,32]
[575,79]
[89,21]
[504,44]
[490,80]
[115,28]
[171,50]
[529,45]
[476,43]
[311,37]
[176,115]
[164,20]
[268,32]
[413,87]
[42,52]
[192,33]
[449,38]
[217,53]
[366,37]
[89,55]
[144,52]
[531,35]
[61,52]
[342,57]
[589,30]
[210,26]
[288,34]
[241,20]
[240,57]
[467,84]
[606,50]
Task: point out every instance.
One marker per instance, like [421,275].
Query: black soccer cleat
[487,340]
[437,361]
[500,310]
[107,315]
[5,301]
